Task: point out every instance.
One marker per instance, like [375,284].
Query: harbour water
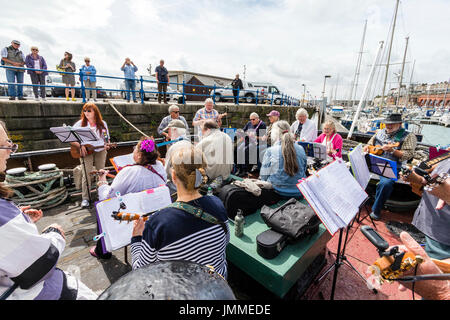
[435,134]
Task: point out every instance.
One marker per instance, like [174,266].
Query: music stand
[82,135]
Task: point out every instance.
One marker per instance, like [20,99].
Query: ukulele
[97,173]
[378,151]
[76,153]
[424,169]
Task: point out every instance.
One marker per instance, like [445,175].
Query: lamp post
[304,89]
[323,107]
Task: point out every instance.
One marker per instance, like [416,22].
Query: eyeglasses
[176,111]
[89,110]
[253,119]
[13,147]
[87,61]
[34,50]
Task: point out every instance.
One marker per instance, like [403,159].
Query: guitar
[424,169]
[97,173]
[76,153]
[378,151]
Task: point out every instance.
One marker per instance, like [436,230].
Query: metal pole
[239,95]
[142,90]
[388,57]
[401,74]
[184,99]
[323,107]
[304,89]
[214,94]
[83,90]
[358,68]
[257,92]
[410,80]
[365,91]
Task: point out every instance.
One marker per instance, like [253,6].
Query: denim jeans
[130,85]
[383,192]
[11,76]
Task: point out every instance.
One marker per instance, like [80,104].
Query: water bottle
[239,221]
[210,191]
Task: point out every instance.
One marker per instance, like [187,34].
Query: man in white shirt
[218,150]
[304,129]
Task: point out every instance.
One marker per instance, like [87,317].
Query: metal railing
[249,95]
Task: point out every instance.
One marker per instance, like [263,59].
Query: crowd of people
[173,233]
[12,56]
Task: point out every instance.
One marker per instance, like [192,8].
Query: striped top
[173,234]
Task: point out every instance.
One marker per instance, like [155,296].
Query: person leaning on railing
[35,61]
[129,70]
[13,57]
[88,72]
[67,65]
[28,258]
[162,79]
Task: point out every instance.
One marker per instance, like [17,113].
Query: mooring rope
[125,119]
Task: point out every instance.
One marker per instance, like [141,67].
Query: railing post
[257,92]
[271,100]
[83,92]
[238,96]
[214,94]
[184,99]
[141,91]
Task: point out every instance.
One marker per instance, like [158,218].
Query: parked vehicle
[248,94]
[59,90]
[268,92]
[151,90]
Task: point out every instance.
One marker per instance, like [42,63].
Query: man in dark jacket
[237,85]
[162,79]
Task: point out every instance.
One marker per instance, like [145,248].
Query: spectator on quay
[13,57]
[303,128]
[274,116]
[162,79]
[206,113]
[28,258]
[90,81]
[218,150]
[129,70]
[250,145]
[331,139]
[237,85]
[175,233]
[174,113]
[35,61]
[284,163]
[67,65]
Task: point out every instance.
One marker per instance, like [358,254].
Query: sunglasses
[13,147]
[87,61]
[176,111]
[34,50]
[89,110]
[253,119]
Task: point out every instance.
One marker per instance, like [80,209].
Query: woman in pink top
[331,139]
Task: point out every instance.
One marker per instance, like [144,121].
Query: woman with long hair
[92,118]
[284,163]
[28,259]
[67,65]
[331,139]
[176,232]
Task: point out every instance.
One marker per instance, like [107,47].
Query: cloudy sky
[286,42]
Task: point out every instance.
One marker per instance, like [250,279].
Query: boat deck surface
[80,228]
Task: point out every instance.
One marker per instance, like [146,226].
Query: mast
[389,57]
[410,81]
[358,67]
[401,74]
[366,90]
[335,91]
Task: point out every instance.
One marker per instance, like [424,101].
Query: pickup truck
[248,94]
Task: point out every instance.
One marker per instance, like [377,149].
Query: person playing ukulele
[387,138]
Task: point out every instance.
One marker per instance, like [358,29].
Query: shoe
[95,100]
[67,99]
[21,98]
[12,98]
[43,99]
[375,216]
[135,101]
[73,99]
[128,101]
[103,256]
[37,98]
[84,204]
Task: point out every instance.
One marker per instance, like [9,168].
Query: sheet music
[121,161]
[359,166]
[65,134]
[383,167]
[118,234]
[334,194]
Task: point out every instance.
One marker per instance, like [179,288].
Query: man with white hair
[304,129]
[174,114]
[206,113]
[13,57]
[218,150]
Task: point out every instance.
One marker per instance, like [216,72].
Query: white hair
[301,112]
[173,107]
[209,100]
[277,130]
[177,132]
[254,114]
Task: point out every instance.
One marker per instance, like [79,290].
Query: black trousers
[162,87]
[38,79]
[236,97]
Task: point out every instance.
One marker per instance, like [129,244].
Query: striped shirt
[173,234]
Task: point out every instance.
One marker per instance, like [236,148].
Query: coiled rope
[40,190]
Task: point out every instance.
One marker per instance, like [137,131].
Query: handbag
[293,219]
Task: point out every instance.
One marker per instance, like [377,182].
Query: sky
[285,42]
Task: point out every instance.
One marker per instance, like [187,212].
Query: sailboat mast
[410,81]
[401,74]
[388,57]
[358,68]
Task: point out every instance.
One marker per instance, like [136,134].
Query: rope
[38,189]
[125,119]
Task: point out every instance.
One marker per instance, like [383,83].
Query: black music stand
[341,258]
[81,135]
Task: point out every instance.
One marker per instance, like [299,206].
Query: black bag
[270,243]
[293,219]
[234,198]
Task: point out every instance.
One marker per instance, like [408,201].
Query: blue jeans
[11,77]
[130,85]
[384,191]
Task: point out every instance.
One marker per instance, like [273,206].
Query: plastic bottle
[239,221]
[210,191]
